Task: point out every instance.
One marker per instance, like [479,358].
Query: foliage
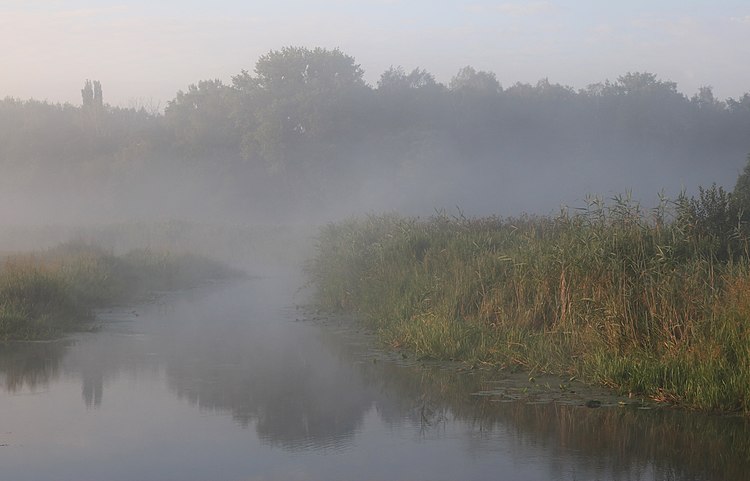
[200,120]
[92,95]
[302,119]
[480,83]
[741,193]
[645,303]
[47,293]
[35,302]
[303,126]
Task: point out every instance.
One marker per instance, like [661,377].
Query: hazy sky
[144,51]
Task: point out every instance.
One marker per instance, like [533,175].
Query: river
[232,382]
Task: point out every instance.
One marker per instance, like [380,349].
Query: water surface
[229,382]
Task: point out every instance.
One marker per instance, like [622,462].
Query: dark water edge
[229,382]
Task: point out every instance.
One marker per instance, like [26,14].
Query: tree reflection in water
[306,386]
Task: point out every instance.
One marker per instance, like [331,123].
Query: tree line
[305,129]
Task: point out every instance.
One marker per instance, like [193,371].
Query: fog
[301,138]
[244,169]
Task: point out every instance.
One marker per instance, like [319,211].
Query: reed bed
[649,303]
[47,293]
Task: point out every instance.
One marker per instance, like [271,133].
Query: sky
[143,52]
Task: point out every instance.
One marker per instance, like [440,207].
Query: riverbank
[47,293]
[648,304]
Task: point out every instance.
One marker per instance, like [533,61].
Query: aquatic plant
[49,292]
[650,303]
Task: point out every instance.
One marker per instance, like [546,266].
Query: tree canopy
[305,127]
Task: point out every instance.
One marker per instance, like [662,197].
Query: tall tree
[468,80]
[201,120]
[87,94]
[396,78]
[302,98]
[98,99]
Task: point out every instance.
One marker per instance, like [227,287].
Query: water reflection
[308,388]
[237,350]
[30,365]
[606,443]
[294,393]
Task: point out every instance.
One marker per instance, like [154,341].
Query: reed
[647,303]
[47,293]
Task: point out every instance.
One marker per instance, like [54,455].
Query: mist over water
[228,382]
[303,138]
[235,380]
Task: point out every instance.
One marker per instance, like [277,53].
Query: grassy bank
[655,304]
[255,247]
[49,292]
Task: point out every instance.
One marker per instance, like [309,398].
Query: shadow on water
[238,350]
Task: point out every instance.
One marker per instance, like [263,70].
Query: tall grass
[49,292]
[644,302]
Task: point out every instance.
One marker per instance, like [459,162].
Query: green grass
[47,293]
[645,303]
